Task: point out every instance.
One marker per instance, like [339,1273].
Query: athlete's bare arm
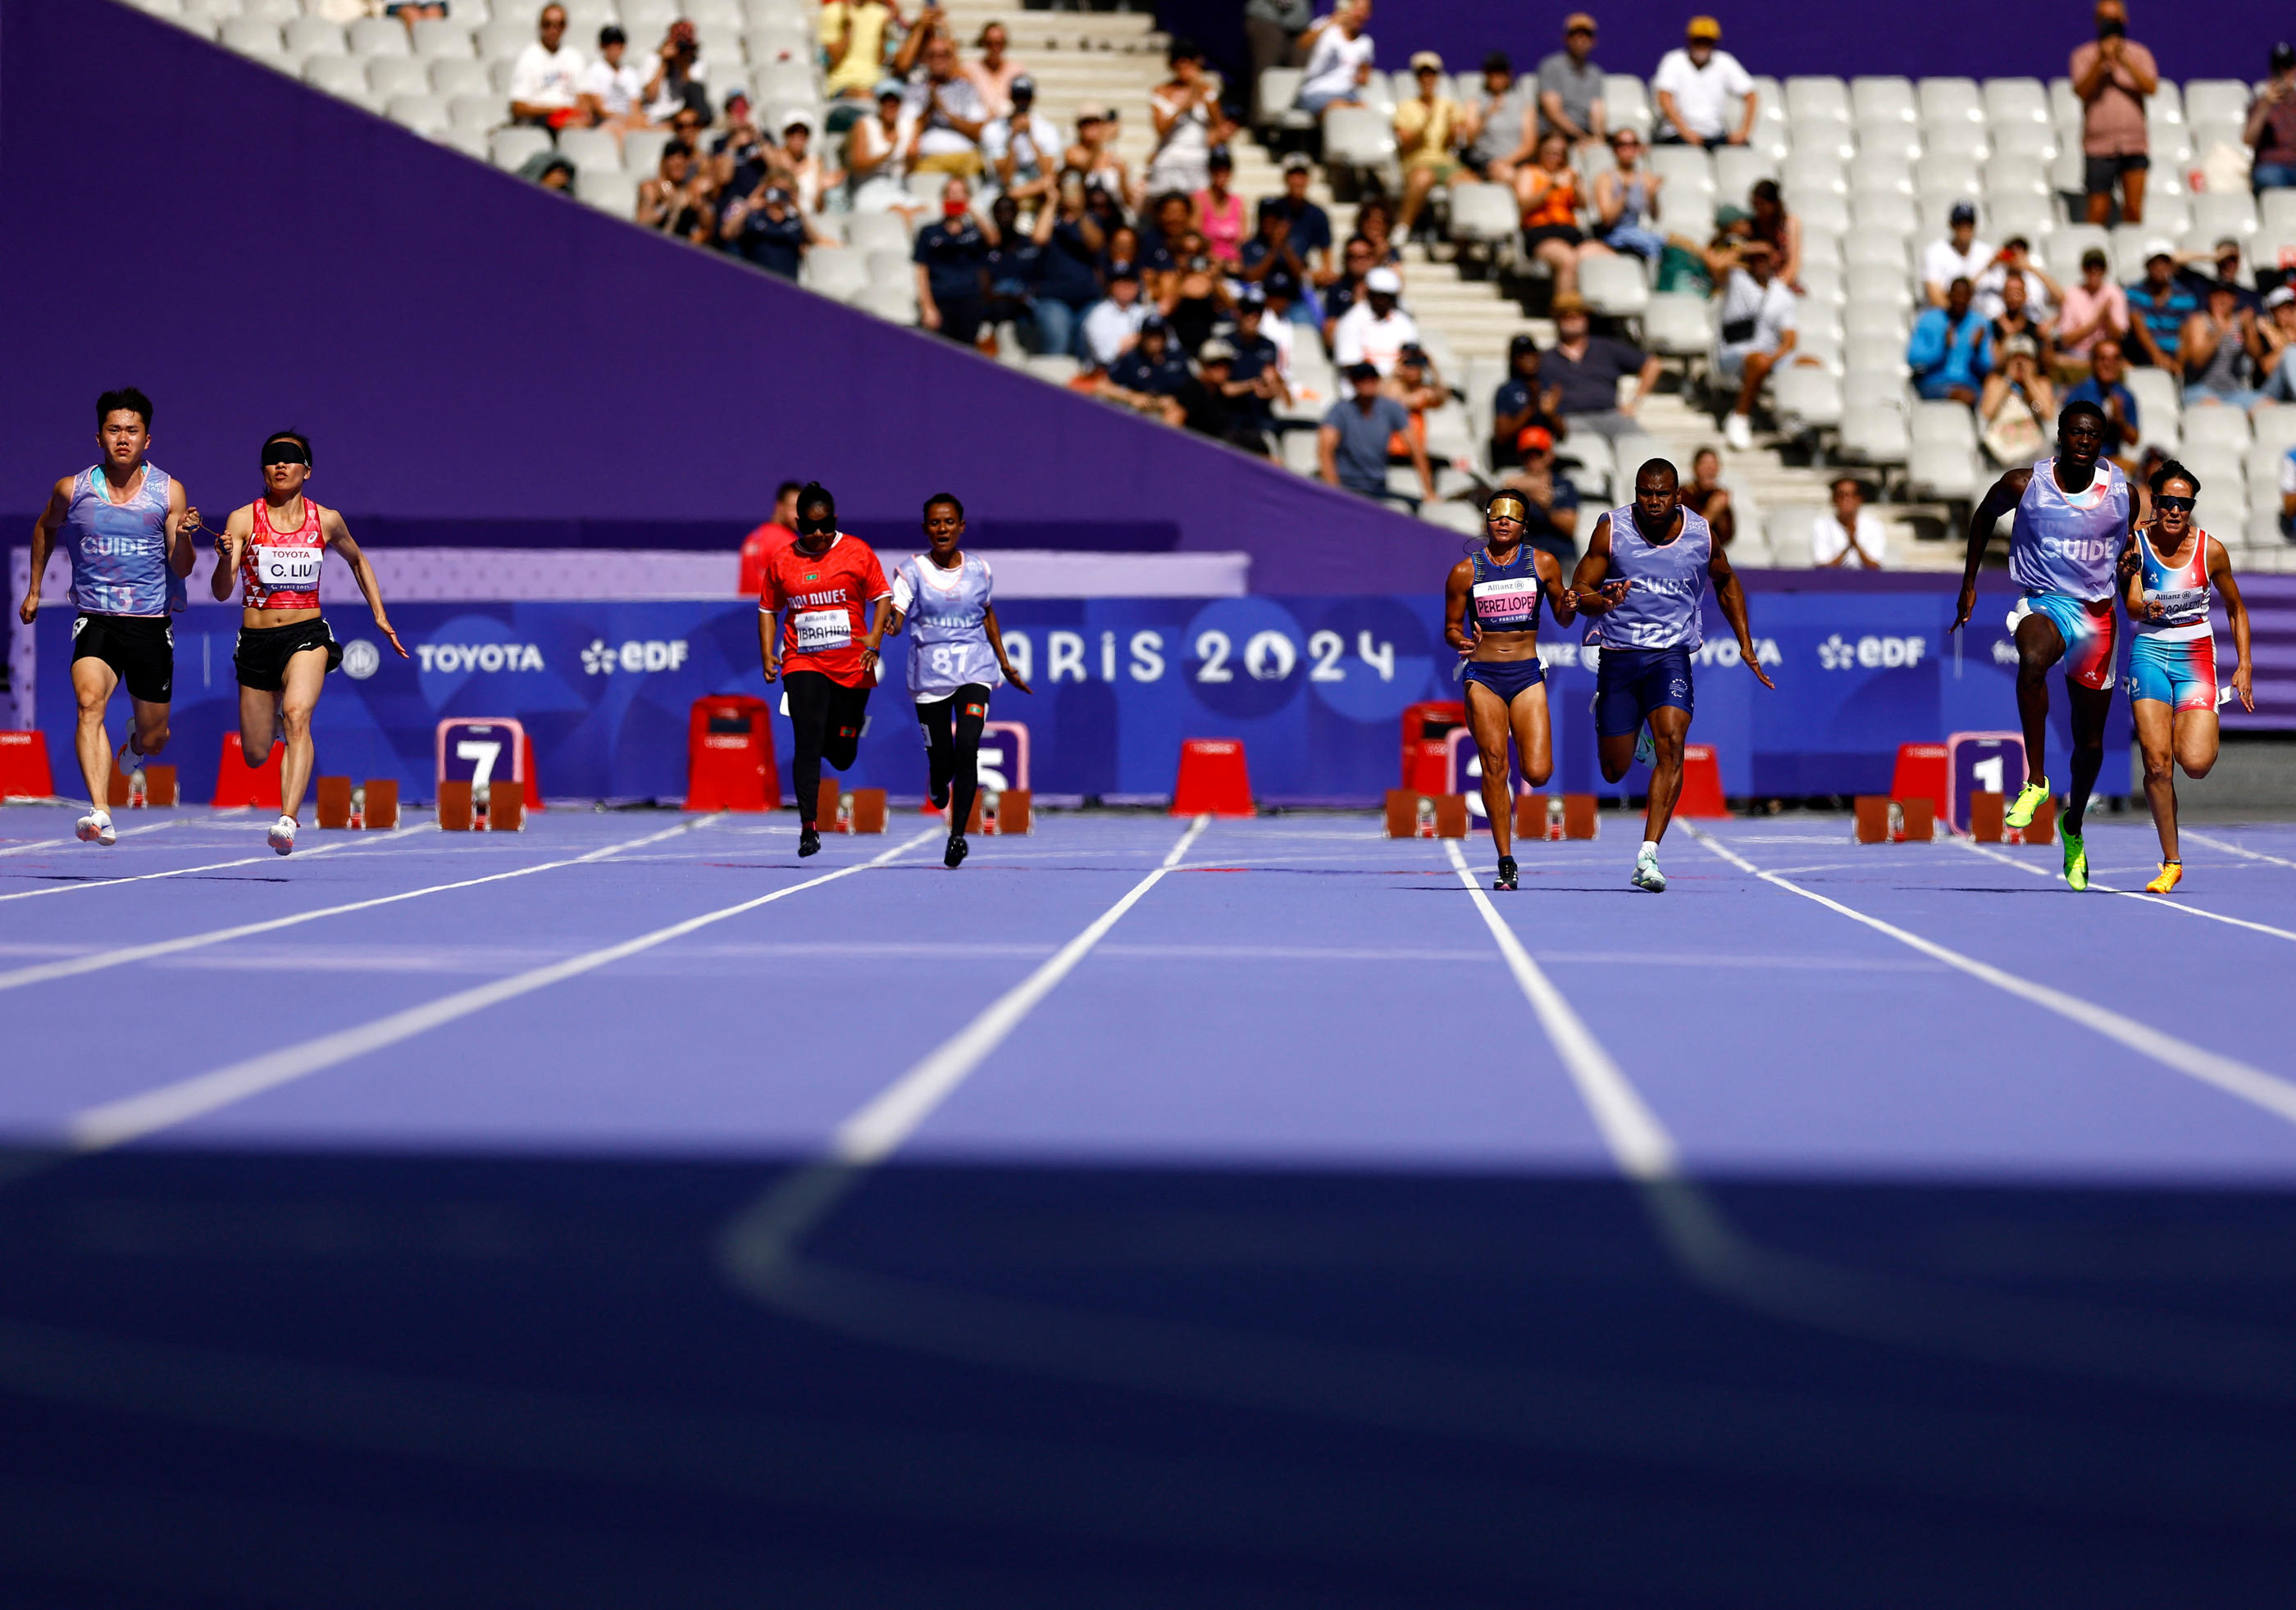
[1997,500]
[1732,598]
[44,542]
[2131,561]
[769,637]
[338,536]
[2132,594]
[1590,594]
[231,545]
[2228,589]
[1455,607]
[879,609]
[1561,601]
[182,521]
[996,643]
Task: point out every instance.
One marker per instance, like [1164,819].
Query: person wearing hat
[1022,148]
[1500,123]
[1694,87]
[613,91]
[1339,56]
[876,172]
[1950,349]
[2112,75]
[2221,348]
[1259,352]
[854,33]
[769,229]
[1582,372]
[1376,330]
[1960,256]
[2159,304]
[1311,230]
[1426,130]
[1189,120]
[1357,436]
[1570,85]
[1148,378]
[2017,401]
[1214,403]
[2093,309]
[1754,333]
[2271,128]
[2277,331]
[1094,155]
[1520,405]
[796,167]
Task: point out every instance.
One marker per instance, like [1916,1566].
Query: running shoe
[2076,859]
[127,761]
[95,828]
[282,836]
[953,857]
[2172,873]
[2028,801]
[1647,875]
[808,839]
[1506,877]
[1646,748]
[1738,432]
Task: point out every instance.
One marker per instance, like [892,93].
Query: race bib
[819,631]
[1507,605]
[2181,606]
[287,570]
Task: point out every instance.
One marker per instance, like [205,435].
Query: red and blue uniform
[2064,550]
[2173,660]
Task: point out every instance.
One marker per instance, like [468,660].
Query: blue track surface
[1848,1225]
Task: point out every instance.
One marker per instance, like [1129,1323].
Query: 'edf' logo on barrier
[603,659]
[1839,653]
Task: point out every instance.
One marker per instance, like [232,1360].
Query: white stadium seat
[511,147]
[391,75]
[452,77]
[590,149]
[1614,286]
[309,36]
[1486,212]
[442,37]
[343,76]
[1878,102]
[1677,325]
[1358,136]
[610,193]
[380,37]
[840,274]
[642,151]
[1874,435]
[251,36]
[478,115]
[1805,397]
[426,115]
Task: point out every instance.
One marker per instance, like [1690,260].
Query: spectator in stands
[2112,75]
[1553,525]
[2016,318]
[678,76]
[945,114]
[1375,225]
[1501,127]
[760,544]
[1582,372]
[740,156]
[1273,30]
[1112,325]
[412,11]
[1376,330]
[1570,85]
[2220,350]
[769,229]
[1548,190]
[677,200]
[877,169]
[1260,344]
[550,170]
[1123,252]
[995,74]
[1960,256]
[952,259]
[1522,405]
[1706,496]
[545,81]
[1427,129]
[1163,246]
[1148,378]
[1094,155]
[803,173]
[1311,226]
[1339,56]
[2200,271]
[1067,286]
[1219,210]
[611,91]
[1020,148]
[1768,220]
[1848,528]
[2043,295]
[2277,330]
[2096,309]
[1271,264]
[2015,409]
[2272,125]
[1189,121]
[1755,332]
[1695,86]
[1216,403]
[1196,296]
[1418,386]
[1357,436]
[2158,306]
[854,36]
[1626,201]
[1015,266]
[2288,494]
[1356,260]
[2104,388]
[1949,352]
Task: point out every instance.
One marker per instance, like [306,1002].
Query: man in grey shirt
[1570,85]
[1500,133]
[1273,28]
[1353,443]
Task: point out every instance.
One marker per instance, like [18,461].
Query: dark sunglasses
[2176,505]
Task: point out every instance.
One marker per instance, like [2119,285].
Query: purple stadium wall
[478,360]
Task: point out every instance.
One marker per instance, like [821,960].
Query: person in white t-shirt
[1755,332]
[1374,331]
[1851,531]
[1695,86]
[1022,150]
[612,90]
[1340,59]
[545,82]
[1960,256]
[1111,326]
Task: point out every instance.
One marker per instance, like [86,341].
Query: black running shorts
[263,652]
[140,649]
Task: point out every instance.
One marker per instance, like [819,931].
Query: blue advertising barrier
[1313,686]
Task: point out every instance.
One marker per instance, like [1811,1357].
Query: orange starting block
[843,810]
[2043,827]
[155,785]
[1007,811]
[1985,813]
[1882,820]
[1213,781]
[1411,814]
[239,784]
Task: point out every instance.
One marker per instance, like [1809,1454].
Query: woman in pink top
[2096,310]
[994,73]
[1219,210]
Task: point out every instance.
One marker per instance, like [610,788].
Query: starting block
[1882,820]
[506,807]
[843,810]
[239,784]
[1005,811]
[2044,830]
[24,767]
[1916,820]
[1985,813]
[456,812]
[155,785]
[1538,816]
[375,806]
[332,801]
[1579,819]
[1873,818]
[1214,780]
[1411,814]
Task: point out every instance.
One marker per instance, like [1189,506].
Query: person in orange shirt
[1549,190]
[777,532]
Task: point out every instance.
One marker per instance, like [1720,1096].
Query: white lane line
[2219,844]
[71,965]
[134,1117]
[1637,1140]
[2173,905]
[49,844]
[877,1130]
[2253,1084]
[213,866]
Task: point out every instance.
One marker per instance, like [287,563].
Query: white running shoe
[1646,873]
[128,761]
[1738,431]
[282,836]
[95,828]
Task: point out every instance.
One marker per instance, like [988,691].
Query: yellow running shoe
[2172,873]
[2028,801]
[2076,860]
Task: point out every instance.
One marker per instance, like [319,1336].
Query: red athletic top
[281,570]
[826,596]
[756,547]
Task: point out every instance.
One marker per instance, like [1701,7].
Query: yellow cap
[1705,27]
